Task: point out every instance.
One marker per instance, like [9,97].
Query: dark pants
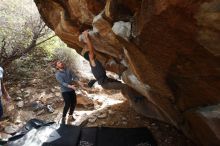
[109,83]
[70,102]
[1,109]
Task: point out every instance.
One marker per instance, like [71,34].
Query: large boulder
[205,124]
[166,50]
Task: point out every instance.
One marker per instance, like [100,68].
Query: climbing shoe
[91,83]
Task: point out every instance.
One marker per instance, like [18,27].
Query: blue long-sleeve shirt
[65,77]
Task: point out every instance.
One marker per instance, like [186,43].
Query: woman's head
[59,65]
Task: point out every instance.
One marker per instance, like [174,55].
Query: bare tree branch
[45,40]
[25,51]
[20,36]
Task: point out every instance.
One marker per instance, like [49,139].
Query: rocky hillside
[166,50]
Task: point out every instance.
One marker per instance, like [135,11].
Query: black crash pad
[67,135]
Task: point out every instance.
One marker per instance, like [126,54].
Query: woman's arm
[90,47]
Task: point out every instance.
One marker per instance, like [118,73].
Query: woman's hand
[86,36]
[86,33]
[72,87]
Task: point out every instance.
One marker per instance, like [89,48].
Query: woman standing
[65,77]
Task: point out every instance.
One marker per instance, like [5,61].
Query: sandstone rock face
[166,50]
[206,122]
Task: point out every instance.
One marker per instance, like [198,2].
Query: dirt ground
[118,114]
